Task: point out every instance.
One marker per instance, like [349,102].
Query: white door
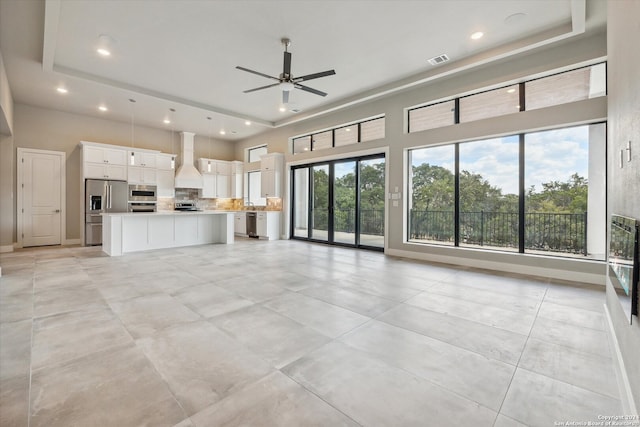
[41,176]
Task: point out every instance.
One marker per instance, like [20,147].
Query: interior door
[41,210]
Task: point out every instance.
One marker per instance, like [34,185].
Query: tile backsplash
[167,203]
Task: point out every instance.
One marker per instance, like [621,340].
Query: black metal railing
[552,232]
[344,220]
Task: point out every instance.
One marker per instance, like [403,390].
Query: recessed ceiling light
[103,51]
[477,35]
[282,109]
[62,90]
[511,90]
[166,121]
[222,132]
[247,122]
[348,130]
[102,108]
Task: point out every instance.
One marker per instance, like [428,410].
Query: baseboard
[506,267]
[626,395]
[69,242]
[6,248]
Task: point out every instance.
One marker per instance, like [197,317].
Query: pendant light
[210,130]
[133,158]
[173,150]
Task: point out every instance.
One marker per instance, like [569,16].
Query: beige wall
[623,33]
[46,129]
[397,141]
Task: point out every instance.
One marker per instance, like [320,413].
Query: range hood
[187,176]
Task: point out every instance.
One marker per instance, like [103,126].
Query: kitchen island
[133,232]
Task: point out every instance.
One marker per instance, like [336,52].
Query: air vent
[437,60]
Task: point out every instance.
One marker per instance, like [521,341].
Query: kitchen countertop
[160,213]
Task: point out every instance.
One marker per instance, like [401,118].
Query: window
[564,191]
[432,116]
[254,189]
[489,188]
[560,172]
[322,140]
[492,103]
[575,85]
[570,86]
[339,136]
[346,135]
[432,195]
[372,129]
[253,154]
[302,144]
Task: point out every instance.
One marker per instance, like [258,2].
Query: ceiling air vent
[437,60]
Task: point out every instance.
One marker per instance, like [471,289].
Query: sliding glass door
[340,202]
[344,202]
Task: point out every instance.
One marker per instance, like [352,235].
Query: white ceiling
[183,54]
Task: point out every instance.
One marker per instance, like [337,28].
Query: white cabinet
[216,176]
[271,166]
[105,171]
[240,223]
[101,162]
[237,172]
[165,161]
[165,175]
[142,175]
[142,158]
[113,156]
[268,225]
[142,167]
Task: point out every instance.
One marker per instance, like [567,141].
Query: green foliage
[559,197]
[433,190]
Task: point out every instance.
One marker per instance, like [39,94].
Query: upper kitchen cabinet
[271,167]
[143,159]
[101,154]
[142,167]
[100,161]
[216,176]
[165,175]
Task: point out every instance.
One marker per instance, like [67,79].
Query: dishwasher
[252,229]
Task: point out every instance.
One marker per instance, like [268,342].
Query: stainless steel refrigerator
[101,196]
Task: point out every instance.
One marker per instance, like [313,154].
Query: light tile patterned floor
[289,333]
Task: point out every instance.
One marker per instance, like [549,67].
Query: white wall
[623,33]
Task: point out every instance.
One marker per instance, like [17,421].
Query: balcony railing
[551,232]
[344,220]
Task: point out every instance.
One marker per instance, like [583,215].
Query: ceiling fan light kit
[286,81]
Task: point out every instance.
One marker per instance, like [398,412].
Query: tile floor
[289,333]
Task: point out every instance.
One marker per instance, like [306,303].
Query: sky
[549,156]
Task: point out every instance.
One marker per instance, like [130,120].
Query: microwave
[143,193]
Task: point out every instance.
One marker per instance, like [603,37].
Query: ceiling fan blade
[309,89]
[258,73]
[285,96]
[261,87]
[314,76]
[287,65]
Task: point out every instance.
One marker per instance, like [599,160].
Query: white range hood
[187,176]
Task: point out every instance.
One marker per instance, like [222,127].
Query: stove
[186,206]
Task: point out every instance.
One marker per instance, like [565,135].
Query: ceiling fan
[286,80]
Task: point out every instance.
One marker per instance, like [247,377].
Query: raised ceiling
[182,54]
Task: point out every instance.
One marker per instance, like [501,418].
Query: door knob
[57,211]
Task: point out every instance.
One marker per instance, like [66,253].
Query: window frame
[255,148]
